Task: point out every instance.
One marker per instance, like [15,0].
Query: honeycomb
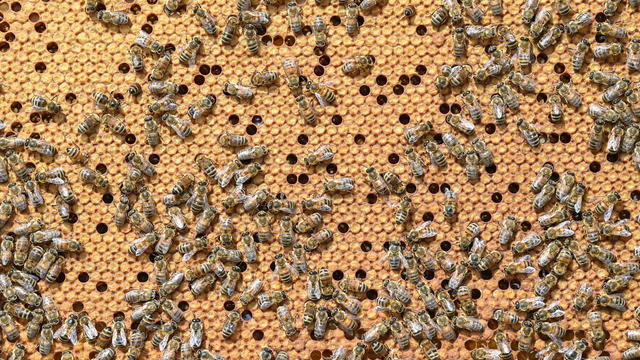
[54,48]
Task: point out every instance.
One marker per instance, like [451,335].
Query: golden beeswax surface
[54,48]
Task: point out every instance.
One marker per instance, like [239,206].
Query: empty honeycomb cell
[39,27]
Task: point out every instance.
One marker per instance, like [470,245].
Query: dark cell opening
[292,179]
[303,139]
[183,89]
[258,335]
[496,197]
[372,294]
[553,138]
[247,315]
[515,284]
[381,99]
[70,98]
[415,80]
[198,79]
[142,276]
[434,188]
[565,78]
[381,80]
[267,40]
[147,28]
[251,129]
[635,195]
[303,179]
[624,214]
[152,18]
[229,305]
[365,246]
[242,266]
[336,119]
[123,68]
[612,157]
[73,218]
[289,40]
[9,36]
[445,246]
[60,279]
[204,69]
[490,128]
[428,274]
[438,139]
[600,38]
[601,17]
[394,158]
[476,294]
[513,188]
[485,216]
[486,275]
[52,47]
[332,168]
[278,40]
[16,6]
[359,139]
[542,58]
[372,198]
[16,107]
[343,227]
[216,69]
[491,169]
[40,27]
[456,108]
[558,68]
[40,67]
[503,284]
[398,89]
[541,97]
[421,30]
[102,228]
[594,166]
[324,60]
[404,80]
[337,275]
[154,159]
[360,20]
[565,138]
[444,108]
[183,305]
[364,90]
[83,277]
[130,139]
[444,187]
[335,20]
[4,46]
[525,226]
[410,188]
[292,159]
[34,16]
[101,286]
[428,216]
[256,119]
[404,119]
[421,69]
[361,274]
[234,119]
[107,198]
[318,70]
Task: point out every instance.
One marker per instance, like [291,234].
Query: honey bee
[230,29]
[237,90]
[229,284]
[68,330]
[529,132]
[424,257]
[144,40]
[539,23]
[88,125]
[152,131]
[414,134]
[161,336]
[471,167]
[612,31]
[633,55]
[287,322]
[473,10]
[616,91]
[180,126]
[579,22]
[615,138]
[205,19]
[343,184]
[525,244]
[616,283]
[454,11]
[106,101]
[119,335]
[376,332]
[618,228]
[443,78]
[349,303]
[439,16]
[613,301]
[458,122]
[6,249]
[172,6]
[460,74]
[111,17]
[523,265]
[190,51]
[508,96]
[357,65]
[450,205]
[351,18]
[624,268]
[10,142]
[161,67]
[46,340]
[319,32]
[453,145]
[459,42]
[198,286]
[163,87]
[632,335]
[264,78]
[625,112]
[611,50]
[251,38]
[529,11]
[480,32]
[114,124]
[93,6]
[523,82]
[41,147]
[604,206]
[376,181]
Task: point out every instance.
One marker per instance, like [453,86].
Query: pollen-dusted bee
[161,67]
[529,132]
[88,124]
[113,17]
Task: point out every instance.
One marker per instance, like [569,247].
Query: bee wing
[623,232]
[578,205]
[191,198]
[195,340]
[140,246]
[164,342]
[188,255]
[320,99]
[62,330]
[292,269]
[72,334]
[607,214]
[90,331]
[404,262]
